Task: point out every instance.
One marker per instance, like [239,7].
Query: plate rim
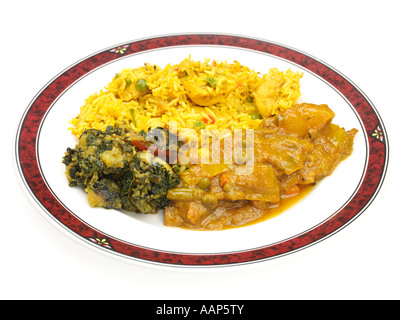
[377,138]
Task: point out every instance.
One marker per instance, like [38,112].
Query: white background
[42,38]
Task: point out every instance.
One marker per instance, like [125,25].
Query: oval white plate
[43,137]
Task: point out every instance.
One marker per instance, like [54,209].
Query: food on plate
[117,176]
[195,94]
[291,150]
[213,144]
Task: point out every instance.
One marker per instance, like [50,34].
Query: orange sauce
[285,204]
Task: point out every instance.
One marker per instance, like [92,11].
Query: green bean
[184,194]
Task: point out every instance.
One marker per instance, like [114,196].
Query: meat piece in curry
[294,148]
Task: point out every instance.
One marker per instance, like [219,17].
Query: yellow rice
[166,98]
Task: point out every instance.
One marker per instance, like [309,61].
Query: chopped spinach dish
[116,174]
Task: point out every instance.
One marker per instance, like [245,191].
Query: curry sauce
[292,151]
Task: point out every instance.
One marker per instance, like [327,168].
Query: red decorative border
[375,169]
